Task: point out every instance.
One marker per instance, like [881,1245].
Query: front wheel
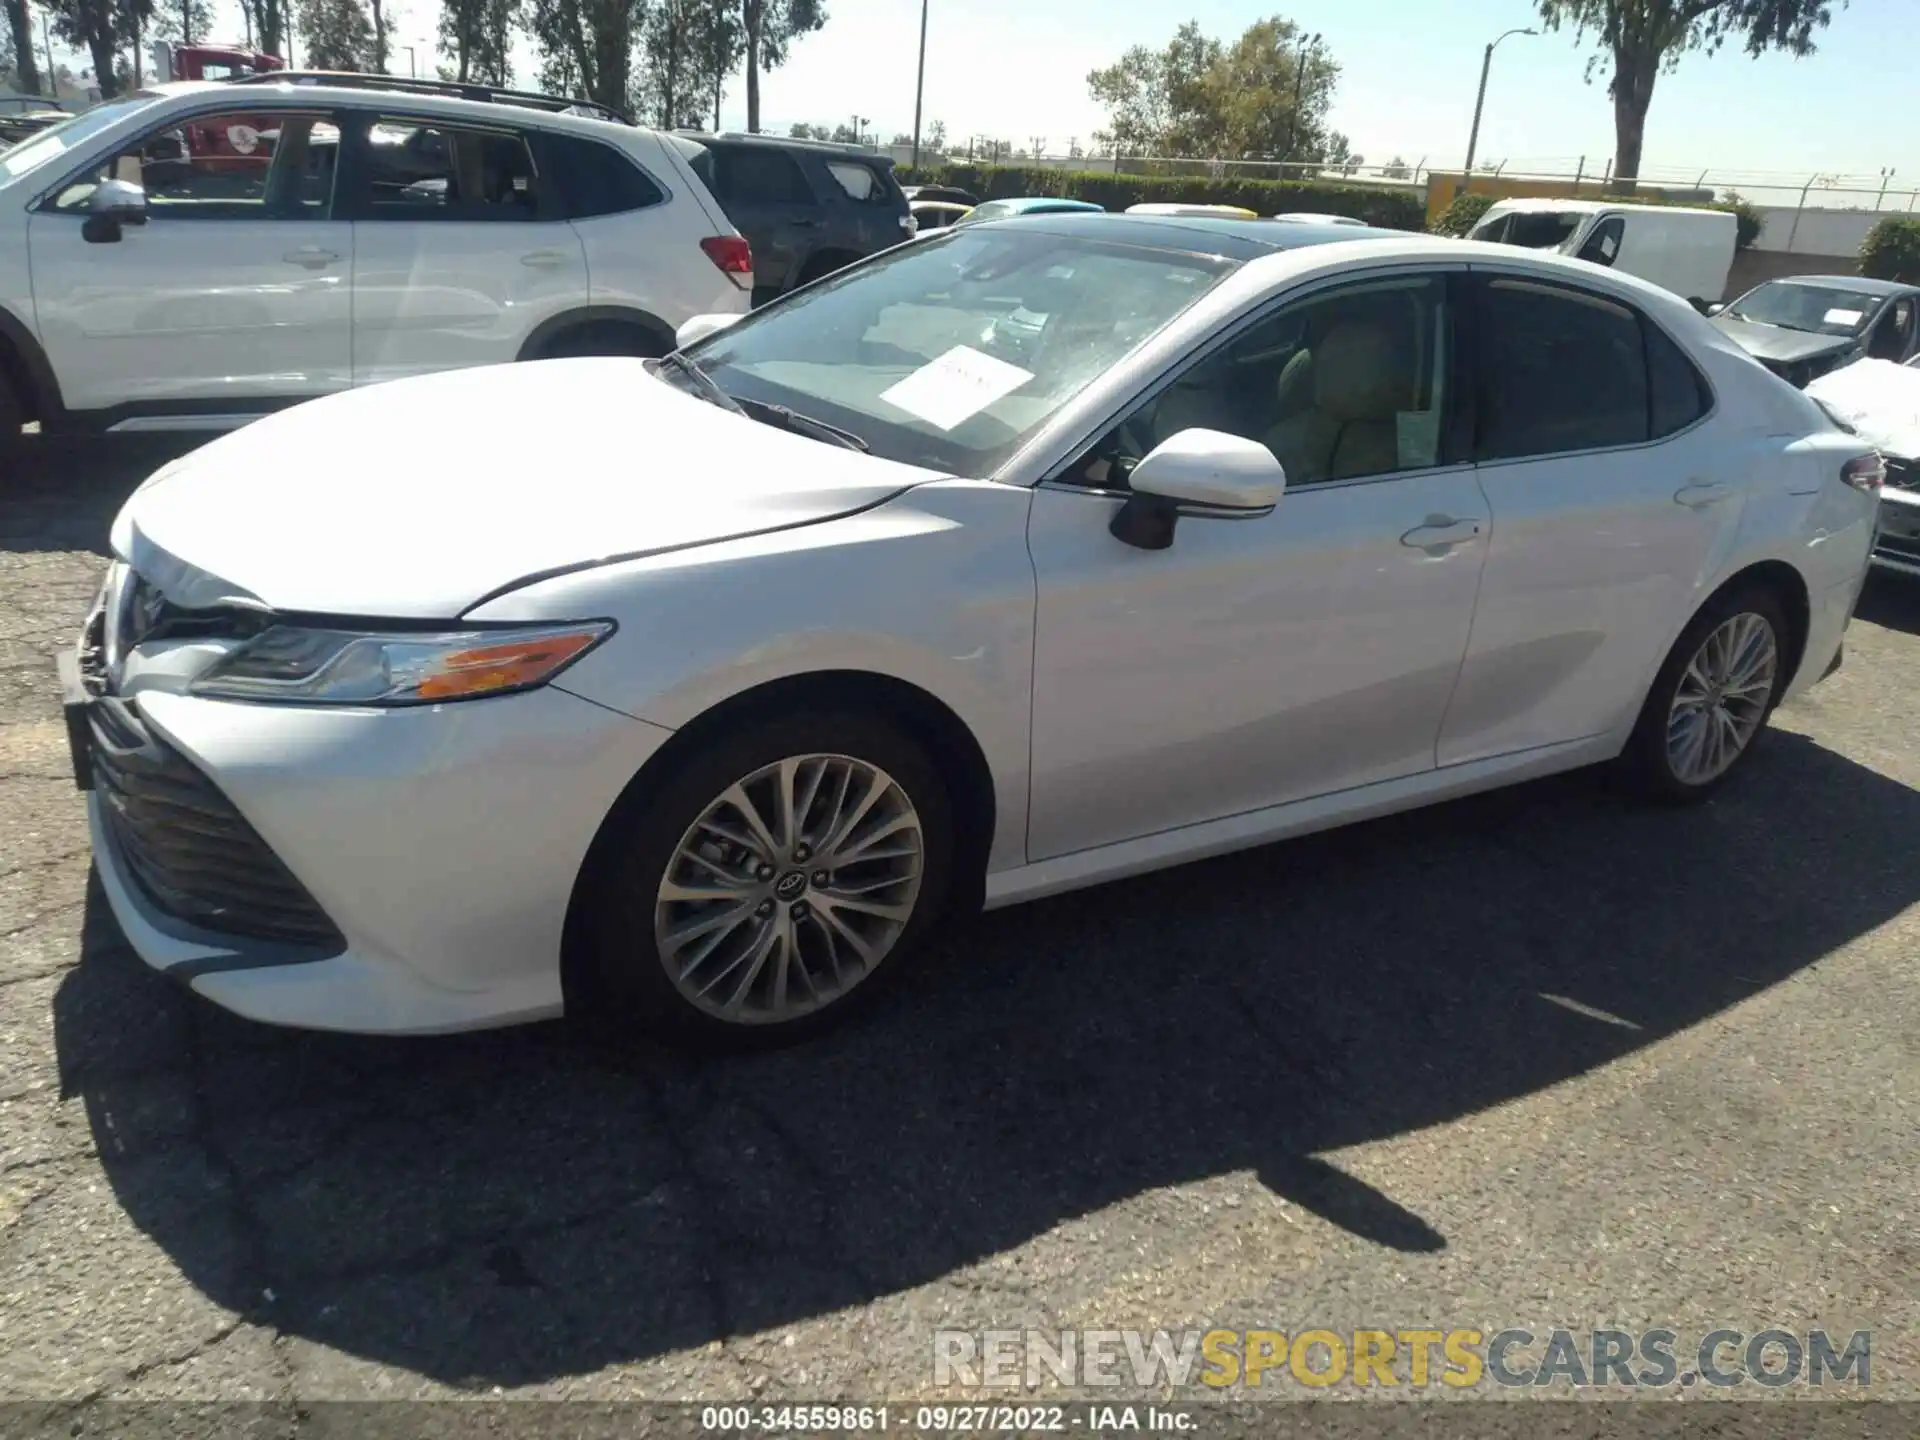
[1710,702]
[768,885]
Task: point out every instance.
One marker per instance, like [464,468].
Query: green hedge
[1891,250]
[1461,215]
[1397,209]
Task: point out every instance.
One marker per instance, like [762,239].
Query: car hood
[418,498]
[1772,342]
[1880,400]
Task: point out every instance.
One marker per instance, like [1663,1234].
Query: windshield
[57,139]
[951,353]
[1815,309]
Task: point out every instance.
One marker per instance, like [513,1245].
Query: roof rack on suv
[455,89]
[825,147]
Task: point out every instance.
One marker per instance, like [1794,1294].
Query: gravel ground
[1538,1058]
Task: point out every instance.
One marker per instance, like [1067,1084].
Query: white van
[1683,250]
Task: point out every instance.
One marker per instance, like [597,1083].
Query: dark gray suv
[808,207]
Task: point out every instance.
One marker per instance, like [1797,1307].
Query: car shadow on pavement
[514,1207]
[1891,600]
[62,493]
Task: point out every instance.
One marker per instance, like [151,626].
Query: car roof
[1859,284]
[1017,203]
[374,96]
[1552,204]
[788,142]
[1225,236]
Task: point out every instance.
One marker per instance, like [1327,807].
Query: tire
[603,338]
[13,416]
[1658,759]
[628,966]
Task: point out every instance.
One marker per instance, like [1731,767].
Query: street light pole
[1479,102]
[920,84]
[1299,76]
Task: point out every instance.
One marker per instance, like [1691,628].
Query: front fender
[934,588]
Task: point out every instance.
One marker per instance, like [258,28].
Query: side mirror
[113,204]
[1205,474]
[1713,308]
[700,327]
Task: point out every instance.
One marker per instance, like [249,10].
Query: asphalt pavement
[1544,1057]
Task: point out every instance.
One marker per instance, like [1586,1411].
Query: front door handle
[546,259]
[803,222]
[310,257]
[1699,494]
[1440,533]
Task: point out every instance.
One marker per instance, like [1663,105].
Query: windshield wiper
[704,384]
[781,418]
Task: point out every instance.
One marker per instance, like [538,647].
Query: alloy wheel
[789,889]
[1722,698]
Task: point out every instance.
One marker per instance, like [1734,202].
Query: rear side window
[421,171]
[753,174]
[860,182]
[595,179]
[1679,394]
[1560,369]
[1603,245]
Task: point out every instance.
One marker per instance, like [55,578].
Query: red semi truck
[234,143]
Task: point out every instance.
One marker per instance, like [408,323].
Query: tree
[689,52]
[335,34]
[271,23]
[1397,169]
[936,137]
[19,43]
[768,29]
[478,35]
[184,20]
[95,27]
[1199,98]
[589,46]
[1644,37]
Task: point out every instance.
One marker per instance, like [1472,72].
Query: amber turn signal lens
[502,667]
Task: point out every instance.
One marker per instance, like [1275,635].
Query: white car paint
[1366,647]
[207,321]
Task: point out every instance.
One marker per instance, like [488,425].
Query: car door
[1613,496]
[767,197]
[1259,661]
[234,292]
[460,252]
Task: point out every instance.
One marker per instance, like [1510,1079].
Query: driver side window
[1348,383]
[224,167]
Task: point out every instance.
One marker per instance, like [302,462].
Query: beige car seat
[1361,378]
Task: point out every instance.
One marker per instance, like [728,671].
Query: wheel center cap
[790,885]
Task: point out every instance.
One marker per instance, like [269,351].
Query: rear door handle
[1440,533]
[802,222]
[546,259]
[310,257]
[1700,494]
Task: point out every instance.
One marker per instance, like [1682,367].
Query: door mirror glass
[700,327]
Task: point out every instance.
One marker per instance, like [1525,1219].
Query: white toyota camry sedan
[694,693]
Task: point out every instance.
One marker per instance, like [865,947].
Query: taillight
[1865,472]
[733,255]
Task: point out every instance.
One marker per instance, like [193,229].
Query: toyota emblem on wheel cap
[790,885]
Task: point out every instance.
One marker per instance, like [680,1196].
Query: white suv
[193,255]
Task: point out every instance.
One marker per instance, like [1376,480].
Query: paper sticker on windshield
[1844,317]
[955,387]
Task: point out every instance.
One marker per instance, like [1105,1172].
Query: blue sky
[1016,69]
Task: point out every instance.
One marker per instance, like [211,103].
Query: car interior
[1337,388]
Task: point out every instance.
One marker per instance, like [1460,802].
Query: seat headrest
[1360,373]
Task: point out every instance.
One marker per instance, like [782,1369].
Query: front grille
[194,855]
[1900,547]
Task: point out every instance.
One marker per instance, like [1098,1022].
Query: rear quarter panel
[934,588]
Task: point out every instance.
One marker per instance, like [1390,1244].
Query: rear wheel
[769,885]
[13,416]
[1709,704]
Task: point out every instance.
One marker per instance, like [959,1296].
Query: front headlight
[356,667]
